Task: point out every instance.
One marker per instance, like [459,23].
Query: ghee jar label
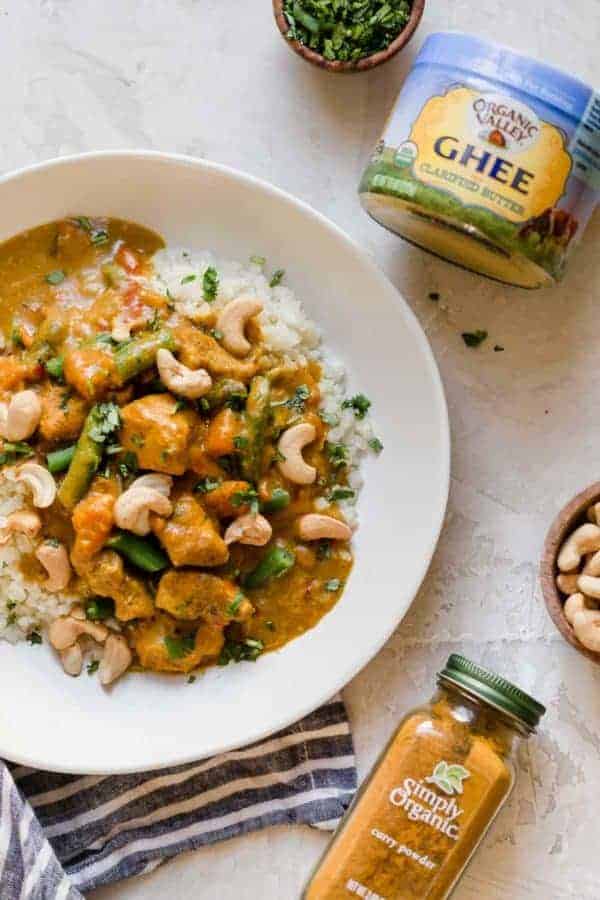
[488,159]
[489,150]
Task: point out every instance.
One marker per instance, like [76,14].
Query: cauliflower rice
[25,607]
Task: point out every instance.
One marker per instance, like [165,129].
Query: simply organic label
[488,150]
[422,803]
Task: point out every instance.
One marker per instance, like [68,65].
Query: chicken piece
[91,371]
[157,434]
[189,536]
[14,373]
[63,414]
[93,520]
[105,575]
[161,646]
[198,595]
[222,432]
[201,351]
[221,501]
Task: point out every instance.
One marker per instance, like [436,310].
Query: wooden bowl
[569,518]
[359,65]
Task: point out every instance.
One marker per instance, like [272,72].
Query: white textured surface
[213,79]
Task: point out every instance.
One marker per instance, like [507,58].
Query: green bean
[278,500]
[225,390]
[275,563]
[87,457]
[54,367]
[141,553]
[139,354]
[59,460]
[257,415]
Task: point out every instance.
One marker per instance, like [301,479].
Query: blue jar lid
[454,49]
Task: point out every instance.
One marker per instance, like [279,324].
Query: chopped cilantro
[93,666]
[474,338]
[137,440]
[99,236]
[206,485]
[329,418]
[434,296]
[13,450]
[276,277]
[106,419]
[54,367]
[99,608]
[375,445]
[238,651]
[55,277]
[128,464]
[178,647]
[234,606]
[64,400]
[250,497]
[191,679]
[333,585]
[259,261]
[324,549]
[298,401]
[359,403]
[187,279]
[180,404]
[210,284]
[34,638]
[340,493]
[338,454]
[218,335]
[240,442]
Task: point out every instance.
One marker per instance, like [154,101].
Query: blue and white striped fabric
[62,835]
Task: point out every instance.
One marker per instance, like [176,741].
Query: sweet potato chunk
[189,536]
[157,434]
[91,371]
[93,519]
[201,351]
[63,414]
[162,647]
[198,595]
[105,574]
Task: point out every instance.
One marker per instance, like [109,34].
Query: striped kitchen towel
[62,835]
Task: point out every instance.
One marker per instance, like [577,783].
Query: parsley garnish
[474,338]
[276,277]
[359,403]
[55,277]
[210,284]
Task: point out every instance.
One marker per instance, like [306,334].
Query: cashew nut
[55,560]
[156,481]
[577,603]
[41,482]
[116,659]
[64,631]
[586,625]
[567,583]
[132,509]
[585,539]
[593,513]
[181,380]
[72,659]
[20,419]
[314,527]
[592,564]
[290,445]
[232,322]
[23,522]
[252,529]
[589,585]
[123,324]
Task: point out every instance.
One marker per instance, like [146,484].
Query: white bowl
[50,721]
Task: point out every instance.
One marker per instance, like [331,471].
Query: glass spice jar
[437,787]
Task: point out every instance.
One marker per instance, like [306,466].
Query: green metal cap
[493,689]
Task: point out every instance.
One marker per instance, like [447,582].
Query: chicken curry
[181,486]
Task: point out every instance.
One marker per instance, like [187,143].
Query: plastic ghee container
[488,159]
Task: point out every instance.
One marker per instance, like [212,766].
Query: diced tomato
[127,259]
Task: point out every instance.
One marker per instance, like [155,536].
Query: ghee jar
[488,159]
[436,789]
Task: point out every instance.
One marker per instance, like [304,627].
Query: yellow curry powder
[437,787]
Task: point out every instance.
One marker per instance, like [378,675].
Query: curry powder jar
[433,794]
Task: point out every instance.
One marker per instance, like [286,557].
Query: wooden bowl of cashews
[570,572]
